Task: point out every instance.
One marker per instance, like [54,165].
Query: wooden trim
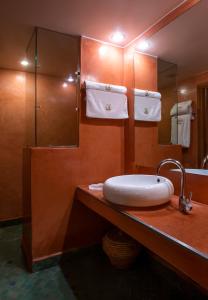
[165,20]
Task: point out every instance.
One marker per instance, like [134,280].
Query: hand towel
[143,93]
[181,130]
[105,87]
[184,130]
[105,103]
[147,106]
[174,130]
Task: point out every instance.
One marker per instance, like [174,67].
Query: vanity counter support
[171,235]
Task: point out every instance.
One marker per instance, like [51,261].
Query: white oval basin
[138,190]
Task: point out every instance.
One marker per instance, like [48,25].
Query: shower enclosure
[52,89]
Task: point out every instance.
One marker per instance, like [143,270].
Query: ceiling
[184,41]
[91,18]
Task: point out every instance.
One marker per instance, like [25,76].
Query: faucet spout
[204,162]
[184,203]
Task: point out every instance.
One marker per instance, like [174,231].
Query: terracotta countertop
[174,236]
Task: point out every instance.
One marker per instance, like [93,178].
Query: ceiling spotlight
[117,37]
[70,78]
[143,45]
[24,62]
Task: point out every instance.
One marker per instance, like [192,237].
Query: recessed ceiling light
[24,62]
[117,37]
[70,78]
[143,45]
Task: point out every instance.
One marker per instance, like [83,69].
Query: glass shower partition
[52,89]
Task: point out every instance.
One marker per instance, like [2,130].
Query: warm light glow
[91,78]
[103,50]
[20,78]
[24,62]
[70,78]
[143,45]
[117,37]
[64,85]
[183,91]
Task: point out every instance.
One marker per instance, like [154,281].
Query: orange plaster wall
[12,138]
[147,150]
[55,173]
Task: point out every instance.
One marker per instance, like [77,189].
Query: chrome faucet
[185,205]
[204,162]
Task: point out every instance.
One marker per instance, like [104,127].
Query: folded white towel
[143,93]
[96,186]
[181,108]
[106,105]
[147,106]
[105,87]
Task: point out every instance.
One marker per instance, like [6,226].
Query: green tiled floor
[86,275]
[17,283]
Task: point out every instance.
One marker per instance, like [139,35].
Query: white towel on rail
[106,101]
[181,130]
[174,130]
[184,130]
[181,108]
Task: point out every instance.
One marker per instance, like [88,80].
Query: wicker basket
[121,249]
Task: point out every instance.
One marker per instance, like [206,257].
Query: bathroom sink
[138,190]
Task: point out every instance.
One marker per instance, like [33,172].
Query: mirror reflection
[181,48]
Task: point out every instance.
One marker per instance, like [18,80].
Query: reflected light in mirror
[143,45]
[24,62]
[117,37]
[64,85]
[20,78]
[70,78]
[183,91]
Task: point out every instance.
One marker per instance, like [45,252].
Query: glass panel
[30,88]
[57,86]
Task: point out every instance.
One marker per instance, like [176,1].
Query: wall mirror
[181,49]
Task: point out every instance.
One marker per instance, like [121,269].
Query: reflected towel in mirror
[147,105]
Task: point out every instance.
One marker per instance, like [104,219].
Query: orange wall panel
[55,173]
[12,138]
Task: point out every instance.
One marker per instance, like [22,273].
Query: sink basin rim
[141,191]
